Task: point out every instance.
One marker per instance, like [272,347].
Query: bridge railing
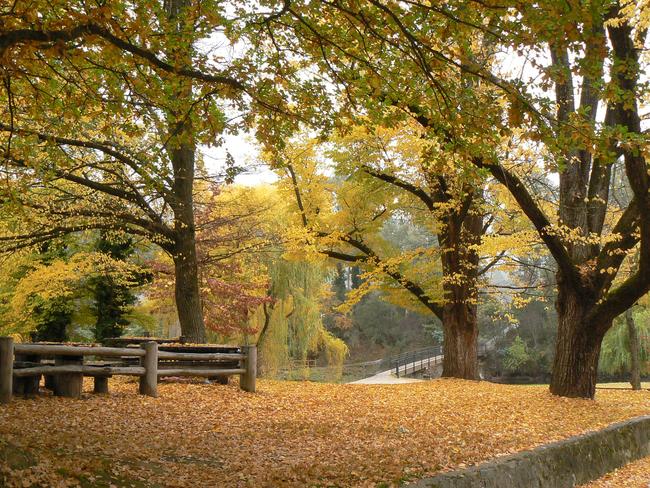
[413,361]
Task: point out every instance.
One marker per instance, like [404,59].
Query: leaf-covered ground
[287,434]
[633,475]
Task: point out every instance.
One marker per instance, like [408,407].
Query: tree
[355,49]
[44,294]
[384,174]
[517,355]
[589,243]
[51,316]
[382,56]
[236,229]
[339,283]
[625,350]
[113,298]
[291,326]
[460,225]
[633,338]
[103,109]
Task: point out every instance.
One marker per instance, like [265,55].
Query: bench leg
[50,381]
[28,385]
[101,384]
[18,386]
[69,384]
[222,380]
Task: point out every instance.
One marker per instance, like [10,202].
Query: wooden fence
[21,366]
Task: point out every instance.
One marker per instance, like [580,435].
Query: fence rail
[86,370]
[64,366]
[63,350]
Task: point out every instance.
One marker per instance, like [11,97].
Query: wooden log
[27,385]
[20,363]
[113,370]
[52,371]
[18,386]
[199,372]
[6,368]
[192,356]
[247,379]
[50,381]
[69,384]
[62,350]
[48,371]
[122,341]
[149,381]
[166,363]
[101,384]
[208,349]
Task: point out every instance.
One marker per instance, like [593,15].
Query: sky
[243,149]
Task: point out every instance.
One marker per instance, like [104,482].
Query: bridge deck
[389,376]
[412,362]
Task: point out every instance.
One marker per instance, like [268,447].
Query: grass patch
[645,385]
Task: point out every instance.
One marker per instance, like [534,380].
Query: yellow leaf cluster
[61,279]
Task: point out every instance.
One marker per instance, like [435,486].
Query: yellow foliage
[60,279]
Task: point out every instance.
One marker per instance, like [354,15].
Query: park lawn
[632,475]
[288,434]
[623,385]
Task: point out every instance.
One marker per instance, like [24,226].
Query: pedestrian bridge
[409,363]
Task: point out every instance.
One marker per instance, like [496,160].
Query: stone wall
[566,463]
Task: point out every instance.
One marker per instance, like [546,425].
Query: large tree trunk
[181,148]
[188,299]
[577,348]
[633,336]
[462,233]
[460,348]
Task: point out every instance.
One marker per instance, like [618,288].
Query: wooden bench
[64,368]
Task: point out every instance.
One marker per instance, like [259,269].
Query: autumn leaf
[289,434]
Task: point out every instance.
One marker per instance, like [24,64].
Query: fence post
[247,379]
[6,368]
[149,381]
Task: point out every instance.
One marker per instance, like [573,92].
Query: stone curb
[561,464]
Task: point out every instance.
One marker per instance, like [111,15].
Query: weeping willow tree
[291,327]
[616,357]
